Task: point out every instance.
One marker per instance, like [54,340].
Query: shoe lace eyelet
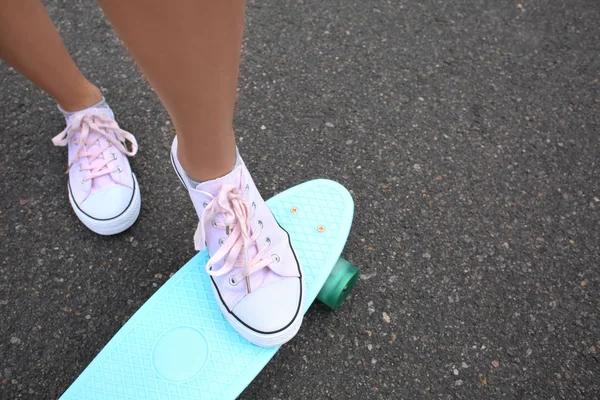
[276,258]
[214,224]
[82,181]
[247,187]
[260,224]
[254,205]
[268,241]
[119,169]
[221,241]
[114,156]
[204,205]
[232,281]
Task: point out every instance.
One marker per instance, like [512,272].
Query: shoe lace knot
[89,130]
[236,251]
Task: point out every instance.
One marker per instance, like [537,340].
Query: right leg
[30,43]
[189,51]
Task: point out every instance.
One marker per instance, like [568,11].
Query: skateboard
[178,345]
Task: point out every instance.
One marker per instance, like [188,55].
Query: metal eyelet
[119,169]
[247,187]
[254,205]
[204,205]
[232,281]
[221,241]
[80,169]
[82,181]
[114,156]
[214,224]
[268,241]
[260,224]
[276,258]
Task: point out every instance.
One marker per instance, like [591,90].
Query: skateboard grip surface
[178,345]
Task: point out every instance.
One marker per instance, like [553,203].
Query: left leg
[102,189]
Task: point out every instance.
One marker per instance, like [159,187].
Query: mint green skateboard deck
[179,346]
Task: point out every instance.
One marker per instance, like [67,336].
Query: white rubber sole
[114,225]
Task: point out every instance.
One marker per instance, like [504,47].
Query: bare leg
[189,51]
[30,43]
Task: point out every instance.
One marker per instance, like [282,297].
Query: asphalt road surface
[468,133]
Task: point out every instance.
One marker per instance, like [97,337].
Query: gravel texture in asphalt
[468,133]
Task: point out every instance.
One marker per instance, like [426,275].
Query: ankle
[209,168]
[87,95]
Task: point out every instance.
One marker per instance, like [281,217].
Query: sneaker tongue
[212,187]
[233,178]
[105,181]
[107,112]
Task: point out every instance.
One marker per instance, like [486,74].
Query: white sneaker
[102,189]
[256,277]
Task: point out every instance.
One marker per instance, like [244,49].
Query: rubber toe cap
[108,203]
[271,308]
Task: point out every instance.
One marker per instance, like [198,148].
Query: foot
[103,191]
[256,278]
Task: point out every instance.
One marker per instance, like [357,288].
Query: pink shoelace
[234,250]
[90,129]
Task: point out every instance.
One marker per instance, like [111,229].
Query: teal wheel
[339,284]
